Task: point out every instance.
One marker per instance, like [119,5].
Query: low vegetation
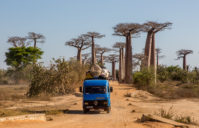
[62,77]
[170,114]
[172,82]
[11,92]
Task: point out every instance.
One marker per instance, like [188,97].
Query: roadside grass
[172,90]
[55,110]
[9,112]
[13,92]
[170,114]
[10,94]
[18,92]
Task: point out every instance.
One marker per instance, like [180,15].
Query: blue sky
[61,20]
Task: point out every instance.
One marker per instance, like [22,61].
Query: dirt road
[125,111]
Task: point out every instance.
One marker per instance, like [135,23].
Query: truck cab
[96,95]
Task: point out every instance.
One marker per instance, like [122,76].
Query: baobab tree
[101,51]
[18,41]
[152,28]
[93,35]
[85,57]
[36,38]
[81,43]
[112,58]
[139,59]
[121,46]
[158,52]
[183,54]
[127,30]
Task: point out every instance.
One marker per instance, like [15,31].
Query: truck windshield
[95,90]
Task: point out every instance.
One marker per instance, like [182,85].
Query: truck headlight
[85,103]
[105,102]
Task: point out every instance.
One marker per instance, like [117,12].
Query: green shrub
[171,69]
[144,78]
[60,78]
[162,73]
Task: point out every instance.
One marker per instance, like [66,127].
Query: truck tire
[86,110]
[108,110]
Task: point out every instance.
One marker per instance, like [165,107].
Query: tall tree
[85,58]
[101,51]
[36,38]
[121,46]
[127,30]
[183,54]
[18,41]
[81,43]
[158,56]
[139,58]
[112,58]
[152,28]
[93,35]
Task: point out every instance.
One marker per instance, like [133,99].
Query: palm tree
[121,46]
[182,54]
[93,35]
[36,38]
[127,30]
[81,43]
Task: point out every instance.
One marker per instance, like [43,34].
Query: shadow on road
[81,112]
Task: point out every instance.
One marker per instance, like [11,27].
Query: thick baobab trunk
[79,56]
[35,43]
[147,51]
[113,70]
[123,65]
[153,56]
[102,59]
[157,57]
[93,52]
[184,62]
[128,60]
[120,65]
[14,44]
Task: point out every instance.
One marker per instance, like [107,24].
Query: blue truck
[96,95]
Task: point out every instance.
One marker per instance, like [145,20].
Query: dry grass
[18,92]
[8,112]
[169,114]
[13,92]
[185,120]
[173,90]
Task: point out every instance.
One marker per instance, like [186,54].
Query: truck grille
[99,103]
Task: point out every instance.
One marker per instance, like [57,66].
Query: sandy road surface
[121,115]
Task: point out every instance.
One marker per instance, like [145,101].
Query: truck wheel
[86,110]
[108,110]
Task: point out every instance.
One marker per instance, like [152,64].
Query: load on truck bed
[96,95]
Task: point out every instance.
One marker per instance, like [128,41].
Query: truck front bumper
[98,104]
